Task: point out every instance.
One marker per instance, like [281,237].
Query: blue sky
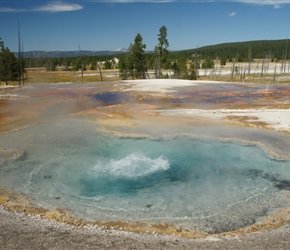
[111,24]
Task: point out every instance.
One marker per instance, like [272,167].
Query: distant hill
[60,54]
[242,50]
[239,50]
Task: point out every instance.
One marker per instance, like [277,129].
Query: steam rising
[193,182]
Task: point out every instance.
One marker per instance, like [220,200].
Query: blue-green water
[206,184]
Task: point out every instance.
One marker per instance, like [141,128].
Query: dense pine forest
[272,49]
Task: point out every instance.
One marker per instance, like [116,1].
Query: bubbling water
[131,166]
[202,184]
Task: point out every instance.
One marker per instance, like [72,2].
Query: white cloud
[11,10]
[232,14]
[275,3]
[134,1]
[140,1]
[256,2]
[51,7]
[59,7]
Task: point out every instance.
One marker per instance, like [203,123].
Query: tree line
[10,65]
[239,51]
[182,64]
[132,65]
[69,63]
[136,63]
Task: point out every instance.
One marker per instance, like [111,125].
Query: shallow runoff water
[196,183]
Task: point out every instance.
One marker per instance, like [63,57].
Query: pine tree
[51,64]
[133,65]
[108,64]
[138,57]
[126,65]
[162,51]
[123,69]
[9,65]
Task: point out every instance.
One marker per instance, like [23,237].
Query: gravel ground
[18,231]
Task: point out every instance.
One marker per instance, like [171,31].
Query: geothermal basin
[200,157]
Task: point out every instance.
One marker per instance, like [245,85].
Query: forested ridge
[258,49]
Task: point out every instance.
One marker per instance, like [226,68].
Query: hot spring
[203,184]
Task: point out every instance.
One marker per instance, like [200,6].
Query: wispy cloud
[257,2]
[139,1]
[11,10]
[232,14]
[160,1]
[276,3]
[51,7]
[59,7]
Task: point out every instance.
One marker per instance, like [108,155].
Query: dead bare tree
[99,67]
[233,67]
[275,71]
[82,62]
[250,60]
[1,50]
[263,66]
[285,58]
[244,73]
[20,73]
[256,71]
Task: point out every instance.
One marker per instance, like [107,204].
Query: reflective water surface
[198,183]
[150,173]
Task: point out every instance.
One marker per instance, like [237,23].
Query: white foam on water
[131,166]
[200,184]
